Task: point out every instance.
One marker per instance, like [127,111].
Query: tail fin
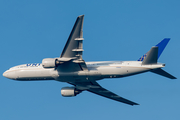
[160,46]
[151,57]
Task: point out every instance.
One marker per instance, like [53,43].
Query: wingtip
[81,16]
[135,104]
[174,78]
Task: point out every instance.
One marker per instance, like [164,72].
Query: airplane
[71,68]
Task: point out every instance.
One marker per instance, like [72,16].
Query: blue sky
[113,30]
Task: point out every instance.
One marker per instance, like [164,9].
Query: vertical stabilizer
[151,57]
[160,46]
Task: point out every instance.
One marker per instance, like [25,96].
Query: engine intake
[54,62]
[69,91]
[49,62]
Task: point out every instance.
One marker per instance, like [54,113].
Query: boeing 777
[71,68]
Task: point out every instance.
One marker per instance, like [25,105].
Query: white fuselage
[96,71]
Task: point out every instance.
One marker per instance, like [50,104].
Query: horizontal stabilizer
[151,57]
[163,73]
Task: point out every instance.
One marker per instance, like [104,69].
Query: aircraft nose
[9,74]
[5,74]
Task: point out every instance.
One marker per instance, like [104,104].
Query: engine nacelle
[49,62]
[69,91]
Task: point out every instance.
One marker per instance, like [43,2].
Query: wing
[94,87]
[71,60]
[73,49]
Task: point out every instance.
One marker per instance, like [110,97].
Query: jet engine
[69,91]
[54,62]
[50,62]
